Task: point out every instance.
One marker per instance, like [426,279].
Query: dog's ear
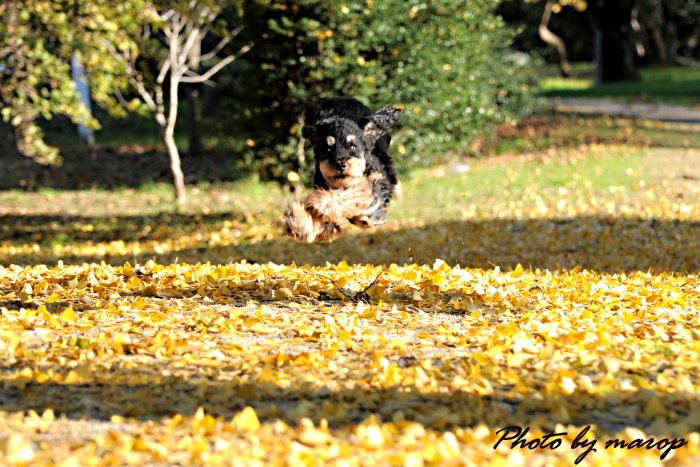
[309,132]
[378,123]
[386,116]
[311,116]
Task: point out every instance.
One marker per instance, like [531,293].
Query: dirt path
[645,110]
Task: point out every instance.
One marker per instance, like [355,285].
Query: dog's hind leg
[375,213]
[374,216]
[328,232]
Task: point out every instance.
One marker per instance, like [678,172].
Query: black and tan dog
[355,176]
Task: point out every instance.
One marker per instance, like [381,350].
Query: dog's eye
[352,148]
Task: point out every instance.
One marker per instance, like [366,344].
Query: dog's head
[342,144]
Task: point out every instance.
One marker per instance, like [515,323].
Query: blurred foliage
[669,30]
[444,62]
[673,31]
[38,39]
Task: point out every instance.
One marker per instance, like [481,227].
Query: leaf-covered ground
[552,291]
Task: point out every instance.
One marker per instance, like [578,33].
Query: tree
[670,30]
[39,37]
[630,32]
[552,39]
[181,28]
[607,31]
[445,62]
[37,40]
[615,53]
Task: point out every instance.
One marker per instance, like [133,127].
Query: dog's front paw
[298,224]
[303,227]
[323,205]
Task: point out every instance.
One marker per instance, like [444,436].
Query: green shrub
[444,61]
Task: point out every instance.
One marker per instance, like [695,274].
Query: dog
[354,175]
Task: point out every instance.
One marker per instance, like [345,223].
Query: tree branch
[360,296]
[332,282]
[163,70]
[217,67]
[216,50]
[221,44]
[184,52]
[190,73]
[120,96]
[136,80]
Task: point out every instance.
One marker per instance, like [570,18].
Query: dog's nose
[342,165]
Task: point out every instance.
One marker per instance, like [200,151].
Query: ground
[671,85]
[552,285]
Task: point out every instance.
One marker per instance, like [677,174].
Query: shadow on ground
[603,244]
[221,393]
[115,168]
[113,165]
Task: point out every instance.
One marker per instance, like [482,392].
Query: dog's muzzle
[343,173]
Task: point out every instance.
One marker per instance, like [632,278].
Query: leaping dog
[355,176]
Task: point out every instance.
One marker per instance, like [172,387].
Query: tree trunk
[194,118]
[616,51]
[169,136]
[552,39]
[660,45]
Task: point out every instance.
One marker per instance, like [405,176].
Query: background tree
[572,23]
[613,33]
[670,31]
[632,32]
[552,6]
[38,39]
[615,53]
[180,27]
[445,62]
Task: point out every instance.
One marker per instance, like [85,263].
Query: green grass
[427,195]
[433,195]
[673,85]
[552,131]
[553,84]
[547,165]
[442,213]
[548,137]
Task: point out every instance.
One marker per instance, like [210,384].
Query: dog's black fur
[350,143]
